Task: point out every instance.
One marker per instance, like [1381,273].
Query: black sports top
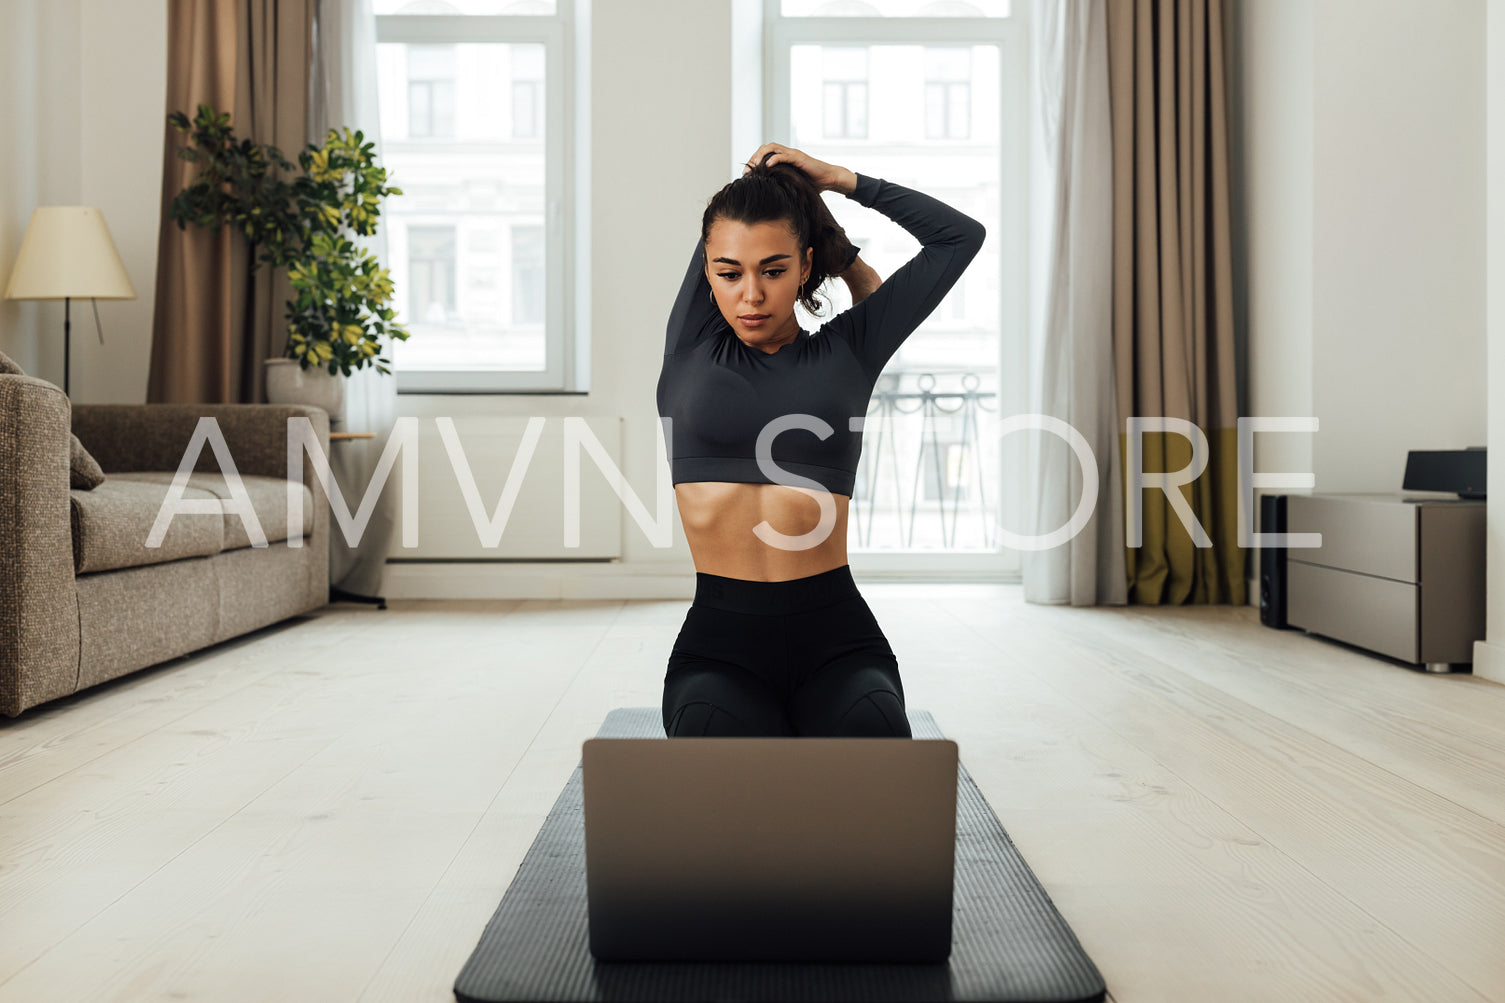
[809,397]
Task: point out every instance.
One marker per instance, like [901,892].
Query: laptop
[769,849]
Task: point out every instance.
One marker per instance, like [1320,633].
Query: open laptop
[769,849]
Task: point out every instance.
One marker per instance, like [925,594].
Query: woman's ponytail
[784,192]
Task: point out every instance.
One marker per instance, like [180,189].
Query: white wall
[1273,153]
[82,113]
[1397,235]
[1363,161]
[39,158]
[124,89]
[1362,126]
[1489,656]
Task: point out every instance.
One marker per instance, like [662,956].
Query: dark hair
[783,192]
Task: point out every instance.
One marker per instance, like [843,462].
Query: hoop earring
[713,297]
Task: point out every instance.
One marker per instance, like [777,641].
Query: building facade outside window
[431,257]
[844,90]
[431,91]
[948,93]
[475,111]
[527,276]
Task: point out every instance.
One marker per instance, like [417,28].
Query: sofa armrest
[39,633]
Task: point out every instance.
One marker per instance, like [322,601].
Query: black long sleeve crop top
[809,397]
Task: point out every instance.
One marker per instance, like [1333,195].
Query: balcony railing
[922,480]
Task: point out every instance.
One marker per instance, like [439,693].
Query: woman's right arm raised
[694,315]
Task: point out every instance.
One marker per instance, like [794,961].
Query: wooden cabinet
[1401,575]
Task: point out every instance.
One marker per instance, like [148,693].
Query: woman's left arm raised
[949,239]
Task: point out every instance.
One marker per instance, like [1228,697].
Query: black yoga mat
[1009,944]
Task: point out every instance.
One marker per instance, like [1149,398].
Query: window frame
[556,32]
[1011,35]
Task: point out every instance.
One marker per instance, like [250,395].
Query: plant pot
[289,383]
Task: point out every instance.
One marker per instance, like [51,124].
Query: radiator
[525,520]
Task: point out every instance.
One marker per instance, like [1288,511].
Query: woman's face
[755,273]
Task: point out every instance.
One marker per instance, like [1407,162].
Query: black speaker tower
[1272,563]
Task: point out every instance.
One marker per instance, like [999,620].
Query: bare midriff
[719,518]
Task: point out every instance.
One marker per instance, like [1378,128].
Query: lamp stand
[66,353]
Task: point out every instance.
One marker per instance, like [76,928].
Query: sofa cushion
[268,500]
[111,524]
[84,472]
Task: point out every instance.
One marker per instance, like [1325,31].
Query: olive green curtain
[216,320]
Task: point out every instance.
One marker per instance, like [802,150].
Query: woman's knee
[847,701]
[876,714]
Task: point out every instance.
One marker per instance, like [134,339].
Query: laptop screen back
[743,849]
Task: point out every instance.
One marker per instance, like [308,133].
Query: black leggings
[801,657]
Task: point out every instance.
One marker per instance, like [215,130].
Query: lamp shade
[67,252]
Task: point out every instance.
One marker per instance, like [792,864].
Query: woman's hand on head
[827,177]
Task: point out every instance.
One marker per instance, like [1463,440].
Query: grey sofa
[82,598]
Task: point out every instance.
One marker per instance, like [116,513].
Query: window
[844,72]
[933,96]
[475,109]
[431,260]
[955,303]
[431,91]
[948,93]
[942,467]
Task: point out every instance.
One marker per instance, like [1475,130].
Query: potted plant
[297,217]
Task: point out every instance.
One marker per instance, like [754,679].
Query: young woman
[764,433]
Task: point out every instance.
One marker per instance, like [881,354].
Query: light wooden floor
[331,809]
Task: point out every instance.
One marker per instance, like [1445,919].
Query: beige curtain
[1072,376]
[1173,288]
[214,320]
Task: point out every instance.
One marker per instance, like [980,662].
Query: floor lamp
[67,254]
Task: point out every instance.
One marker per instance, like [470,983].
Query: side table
[1401,575]
[337,594]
